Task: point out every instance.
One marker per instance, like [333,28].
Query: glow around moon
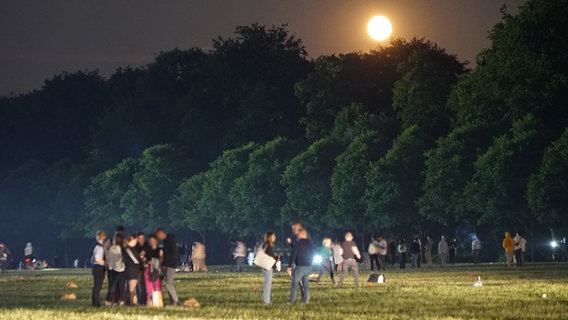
[379,28]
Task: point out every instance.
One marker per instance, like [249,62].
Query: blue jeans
[301,274]
[267,290]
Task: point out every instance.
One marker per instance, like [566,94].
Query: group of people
[135,267]
[515,249]
[447,251]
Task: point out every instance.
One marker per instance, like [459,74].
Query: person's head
[348,236]
[326,242]
[296,227]
[303,233]
[507,235]
[1,245]
[443,237]
[153,242]
[270,238]
[101,236]
[119,239]
[141,238]
[29,244]
[161,234]
[119,229]
[131,241]
[403,240]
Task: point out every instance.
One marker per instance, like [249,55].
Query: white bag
[263,260]
[157,299]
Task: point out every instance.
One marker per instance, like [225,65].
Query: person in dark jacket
[301,258]
[415,252]
[170,250]
[270,239]
[142,248]
[132,271]
[453,250]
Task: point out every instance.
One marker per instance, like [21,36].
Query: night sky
[42,38]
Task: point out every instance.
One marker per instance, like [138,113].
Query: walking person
[382,252]
[268,247]
[337,255]
[402,249]
[415,252]
[4,254]
[475,248]
[98,261]
[453,250]
[428,250]
[240,255]
[350,256]
[373,252]
[326,260]
[170,262]
[509,246]
[132,263]
[116,276]
[153,282]
[520,247]
[302,260]
[443,251]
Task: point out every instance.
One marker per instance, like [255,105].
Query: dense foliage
[252,135]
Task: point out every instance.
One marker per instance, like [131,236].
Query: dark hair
[119,239]
[269,235]
[160,230]
[119,229]
[140,233]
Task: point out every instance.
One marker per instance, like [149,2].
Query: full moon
[379,28]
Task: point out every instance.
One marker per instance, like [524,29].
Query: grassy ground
[417,294]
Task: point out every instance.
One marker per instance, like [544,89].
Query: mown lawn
[418,294]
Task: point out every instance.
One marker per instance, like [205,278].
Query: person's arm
[99,255]
[356,252]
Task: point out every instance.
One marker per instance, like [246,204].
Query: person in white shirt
[98,260]
[373,251]
[382,252]
[475,247]
[520,248]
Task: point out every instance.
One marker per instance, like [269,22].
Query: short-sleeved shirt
[98,254]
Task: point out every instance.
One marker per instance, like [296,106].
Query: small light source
[553,244]
[317,259]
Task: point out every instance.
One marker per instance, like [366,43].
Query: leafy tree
[103,196]
[219,180]
[161,170]
[306,182]
[394,182]
[184,207]
[258,195]
[547,186]
[348,182]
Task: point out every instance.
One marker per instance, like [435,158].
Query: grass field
[417,294]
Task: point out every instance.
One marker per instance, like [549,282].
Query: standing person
[302,260]
[443,251]
[415,252]
[453,251]
[198,256]
[475,247]
[428,250]
[393,250]
[327,264]
[520,247]
[141,246]
[382,252]
[170,261]
[402,249]
[337,255]
[373,252]
[350,254]
[4,254]
[268,247]
[153,285]
[509,246]
[98,260]
[116,276]
[240,255]
[132,263]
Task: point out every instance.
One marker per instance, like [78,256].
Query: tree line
[252,134]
